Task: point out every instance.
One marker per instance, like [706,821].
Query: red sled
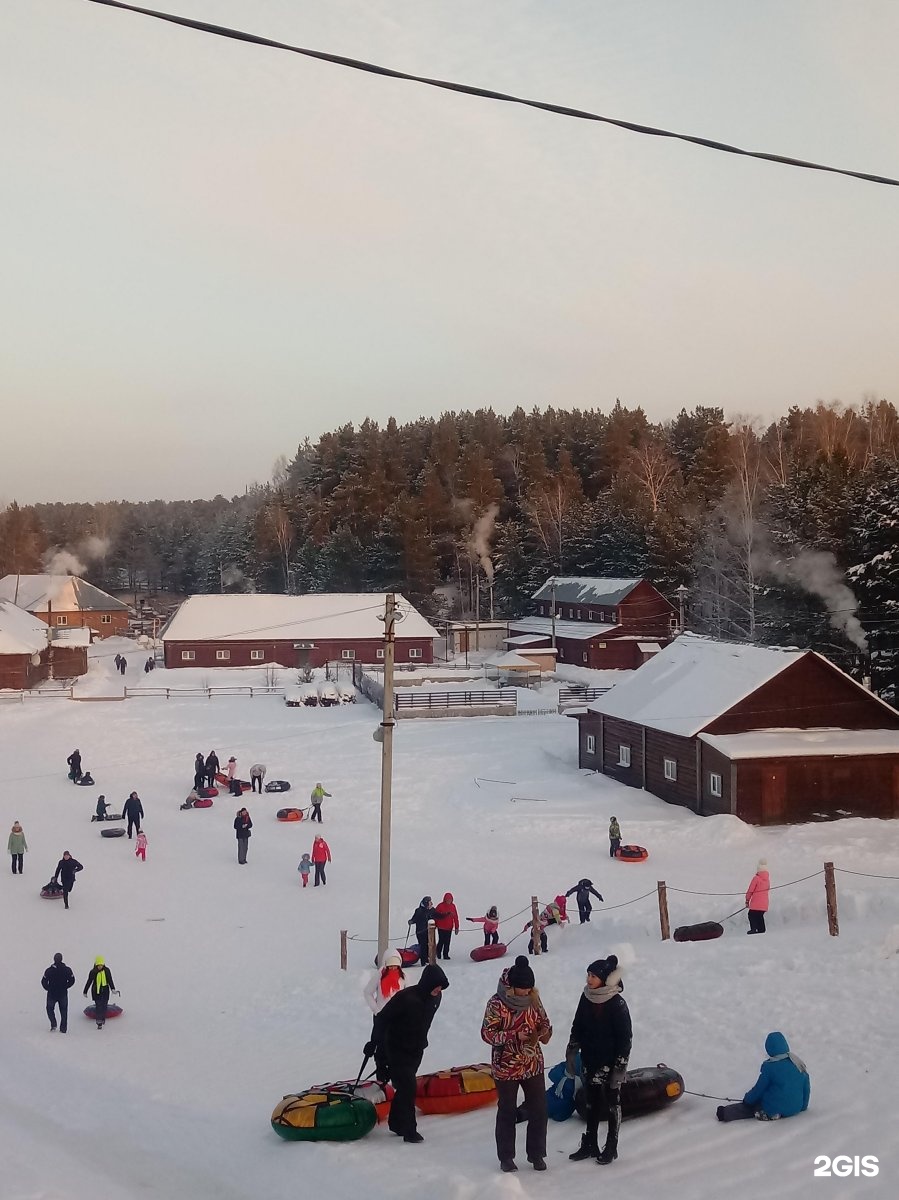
[204,802]
[207,793]
[112,1010]
[632,854]
[226,782]
[706,931]
[481,953]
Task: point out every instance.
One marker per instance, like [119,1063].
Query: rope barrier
[775,887]
[865,874]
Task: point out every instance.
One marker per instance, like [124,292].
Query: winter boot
[609,1152]
[508,1164]
[587,1149]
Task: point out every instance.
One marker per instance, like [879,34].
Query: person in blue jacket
[783,1087]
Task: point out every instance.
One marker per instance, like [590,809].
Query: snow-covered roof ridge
[585,589]
[582,631]
[67,593]
[804,743]
[693,681]
[20,632]
[255,615]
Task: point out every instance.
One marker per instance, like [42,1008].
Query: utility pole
[477,609]
[386,740]
[552,609]
[682,592]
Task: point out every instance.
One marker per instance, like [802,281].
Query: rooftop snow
[20,632]
[581,631]
[252,616]
[693,681]
[66,593]
[804,743]
[583,589]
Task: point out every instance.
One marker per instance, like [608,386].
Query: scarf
[794,1059]
[601,994]
[390,981]
[517,1004]
[100,979]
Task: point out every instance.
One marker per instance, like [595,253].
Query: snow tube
[277,785]
[378,1094]
[52,891]
[649,1088]
[226,782]
[207,793]
[481,953]
[88,782]
[408,957]
[109,817]
[632,854]
[289,814]
[323,1116]
[706,931]
[460,1089]
[203,802]
[112,1010]
[113,833]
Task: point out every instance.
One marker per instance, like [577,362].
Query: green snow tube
[323,1116]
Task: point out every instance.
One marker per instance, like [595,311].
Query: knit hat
[520,973]
[392,959]
[763,865]
[602,968]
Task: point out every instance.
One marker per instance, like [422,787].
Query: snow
[510,661]
[584,589]
[581,631]
[66,593]
[804,743]
[20,632]
[692,681]
[254,615]
[233,994]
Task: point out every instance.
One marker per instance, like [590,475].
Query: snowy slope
[233,994]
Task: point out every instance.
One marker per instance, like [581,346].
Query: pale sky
[212,250]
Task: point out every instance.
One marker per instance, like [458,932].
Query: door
[774,794]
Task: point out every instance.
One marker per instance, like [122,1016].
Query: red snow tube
[207,793]
[289,814]
[481,953]
[226,782]
[205,802]
[112,1010]
[632,853]
[51,891]
[706,931]
[460,1089]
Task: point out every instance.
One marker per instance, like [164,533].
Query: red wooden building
[613,624]
[252,629]
[67,602]
[30,653]
[773,736]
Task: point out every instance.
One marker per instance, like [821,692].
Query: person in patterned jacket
[514,1025]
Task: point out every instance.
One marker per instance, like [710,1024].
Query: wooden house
[772,736]
[67,602]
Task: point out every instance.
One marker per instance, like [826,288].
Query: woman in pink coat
[757,898]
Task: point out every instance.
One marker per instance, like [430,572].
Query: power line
[488,94]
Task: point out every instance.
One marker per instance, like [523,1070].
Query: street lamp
[682,592]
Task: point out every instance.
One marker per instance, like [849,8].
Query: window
[591,743]
[413,653]
[222,655]
[348,654]
[542,610]
[379,653]
[714,783]
[624,756]
[561,652]
[613,616]
[600,645]
[591,615]
[671,769]
[62,620]
[584,656]
[188,656]
[571,614]
[257,655]
[602,614]
[105,618]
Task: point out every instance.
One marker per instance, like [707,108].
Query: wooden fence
[504,696]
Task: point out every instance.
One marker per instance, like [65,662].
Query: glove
[560,1086]
[368,1049]
[618,1072]
[600,899]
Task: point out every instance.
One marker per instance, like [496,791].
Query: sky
[212,250]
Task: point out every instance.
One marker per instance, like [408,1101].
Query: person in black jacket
[601,1030]
[57,980]
[133,810]
[242,827]
[102,806]
[420,918]
[583,889]
[74,761]
[66,870]
[399,1036]
[212,766]
[199,772]
[100,982]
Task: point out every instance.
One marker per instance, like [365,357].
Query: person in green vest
[614,836]
[318,794]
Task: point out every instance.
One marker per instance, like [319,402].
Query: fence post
[432,943]
[663,910]
[343,949]
[126,691]
[535,924]
[830,891]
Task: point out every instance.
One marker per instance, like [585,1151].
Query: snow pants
[584,911]
[614,846]
[443,942]
[254,779]
[402,1108]
[16,864]
[534,1090]
[756,921]
[603,1101]
[316,813]
[63,1002]
[133,823]
[490,939]
[100,1005]
[544,944]
[242,847]
[319,874]
[735,1112]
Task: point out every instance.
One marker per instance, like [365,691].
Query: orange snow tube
[632,854]
[289,814]
[460,1089]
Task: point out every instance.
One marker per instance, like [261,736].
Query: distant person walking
[123,664]
[118,662]
[757,898]
[16,847]
[257,775]
[140,849]
[242,828]
[101,984]
[421,918]
[614,837]
[321,854]
[133,810]
[199,772]
[318,794]
[74,761]
[66,870]
[211,767]
[57,980]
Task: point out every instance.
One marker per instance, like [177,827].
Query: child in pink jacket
[490,921]
[140,850]
[757,898]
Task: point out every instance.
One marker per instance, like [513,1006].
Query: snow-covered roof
[20,632]
[693,681]
[255,616]
[525,639]
[580,631]
[584,589]
[66,593]
[649,647]
[510,661]
[76,636]
[804,743]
